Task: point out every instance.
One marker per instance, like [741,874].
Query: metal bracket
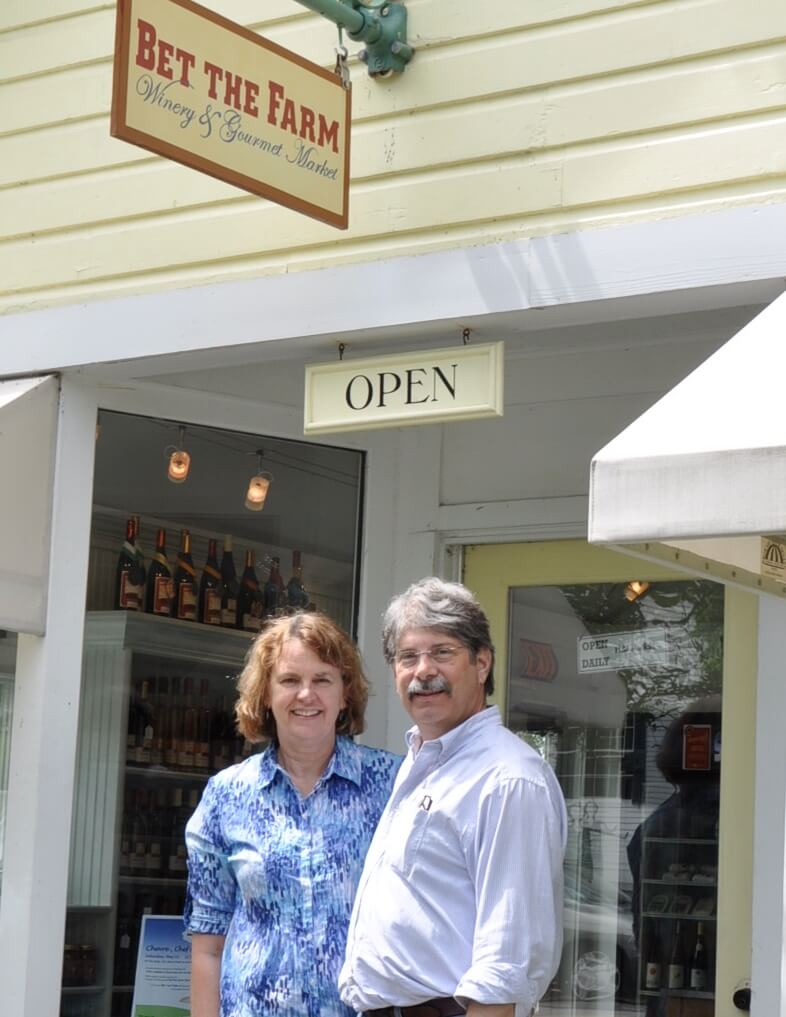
[381,24]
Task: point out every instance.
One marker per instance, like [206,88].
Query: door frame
[491,569]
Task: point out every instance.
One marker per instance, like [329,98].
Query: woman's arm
[206,953]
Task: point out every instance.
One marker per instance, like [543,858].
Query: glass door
[614,671]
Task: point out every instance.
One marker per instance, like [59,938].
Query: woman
[277,843]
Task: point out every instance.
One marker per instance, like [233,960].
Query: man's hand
[491,1010]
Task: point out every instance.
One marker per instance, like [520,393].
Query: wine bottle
[159,590]
[228,588]
[676,973]
[133,709]
[185,584]
[249,601]
[138,860]
[174,725]
[160,721]
[297,598]
[140,559]
[698,964]
[652,974]
[202,743]
[177,862]
[154,858]
[210,589]
[221,730]
[275,592]
[129,576]
[185,754]
[144,724]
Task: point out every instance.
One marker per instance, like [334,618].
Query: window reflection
[622,694]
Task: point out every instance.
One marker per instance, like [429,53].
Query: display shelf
[678,993]
[682,840]
[674,916]
[168,773]
[82,990]
[695,884]
[161,881]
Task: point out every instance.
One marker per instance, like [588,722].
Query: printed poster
[163,969]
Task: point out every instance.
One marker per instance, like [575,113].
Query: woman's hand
[206,954]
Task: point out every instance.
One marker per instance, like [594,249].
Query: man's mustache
[435,684]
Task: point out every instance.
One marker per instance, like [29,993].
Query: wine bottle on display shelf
[698,964]
[676,972]
[202,743]
[159,589]
[210,589]
[297,598]
[174,725]
[652,971]
[275,591]
[130,574]
[249,600]
[185,755]
[185,583]
[228,587]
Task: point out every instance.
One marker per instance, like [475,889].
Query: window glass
[168,625]
[619,686]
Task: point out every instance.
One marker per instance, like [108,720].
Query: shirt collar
[450,741]
[345,762]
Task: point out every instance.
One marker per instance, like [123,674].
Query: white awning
[28,431]
[706,461]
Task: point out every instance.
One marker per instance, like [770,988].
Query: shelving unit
[669,896]
[106,904]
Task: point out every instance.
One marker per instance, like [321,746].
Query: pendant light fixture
[258,487]
[179,460]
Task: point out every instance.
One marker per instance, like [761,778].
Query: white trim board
[715,259]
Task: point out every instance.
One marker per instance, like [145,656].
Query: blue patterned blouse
[276,873]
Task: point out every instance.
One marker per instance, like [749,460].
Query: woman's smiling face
[306,696]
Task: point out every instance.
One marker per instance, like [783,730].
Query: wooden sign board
[427,387]
[196,88]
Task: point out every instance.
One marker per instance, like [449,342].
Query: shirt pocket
[406,835]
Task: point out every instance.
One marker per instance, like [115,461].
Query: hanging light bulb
[179,460]
[258,487]
[636,588]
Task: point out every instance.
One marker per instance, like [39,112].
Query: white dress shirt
[461,891]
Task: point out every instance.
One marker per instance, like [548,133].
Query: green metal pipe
[337,12]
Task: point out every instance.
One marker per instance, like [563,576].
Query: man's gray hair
[433,603]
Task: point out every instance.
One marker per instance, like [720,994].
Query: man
[459,906]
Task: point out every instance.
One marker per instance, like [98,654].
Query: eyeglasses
[407,660]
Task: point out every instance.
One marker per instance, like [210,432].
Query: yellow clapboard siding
[751,81]
[586,49]
[466,194]
[37,48]
[24,12]
[473,132]
[40,49]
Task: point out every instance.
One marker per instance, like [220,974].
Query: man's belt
[430,1008]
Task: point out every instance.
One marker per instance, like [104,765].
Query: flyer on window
[163,969]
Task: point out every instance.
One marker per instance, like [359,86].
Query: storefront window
[619,686]
[184,570]
[7,668]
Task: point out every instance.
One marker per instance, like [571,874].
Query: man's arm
[206,954]
[515,860]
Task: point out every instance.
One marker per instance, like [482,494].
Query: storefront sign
[649,648]
[163,969]
[459,383]
[203,91]
[773,558]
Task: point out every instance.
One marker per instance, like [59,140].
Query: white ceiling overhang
[28,432]
[700,478]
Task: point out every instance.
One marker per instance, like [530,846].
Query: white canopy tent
[699,479]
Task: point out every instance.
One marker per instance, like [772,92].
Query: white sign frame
[404,389]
